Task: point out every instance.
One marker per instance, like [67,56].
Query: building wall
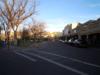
[67,30]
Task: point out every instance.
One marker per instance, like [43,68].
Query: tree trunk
[8,40]
[15,37]
[0,35]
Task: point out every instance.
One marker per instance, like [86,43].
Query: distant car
[76,42]
[70,41]
[80,43]
[66,41]
[62,41]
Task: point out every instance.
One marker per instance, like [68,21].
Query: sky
[58,13]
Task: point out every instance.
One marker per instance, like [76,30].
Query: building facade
[89,31]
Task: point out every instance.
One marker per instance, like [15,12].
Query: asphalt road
[50,58]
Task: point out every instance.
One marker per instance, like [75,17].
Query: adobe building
[89,31]
[67,31]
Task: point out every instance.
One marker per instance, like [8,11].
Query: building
[67,30]
[70,30]
[89,31]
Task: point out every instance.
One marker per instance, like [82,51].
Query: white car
[80,43]
[76,41]
[70,41]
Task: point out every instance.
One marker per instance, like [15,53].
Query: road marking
[27,57]
[56,63]
[72,59]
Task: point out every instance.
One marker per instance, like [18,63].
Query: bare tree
[37,29]
[14,12]
[24,32]
[3,24]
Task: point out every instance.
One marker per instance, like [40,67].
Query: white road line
[56,63]
[72,59]
[27,57]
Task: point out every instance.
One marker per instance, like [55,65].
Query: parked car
[80,43]
[76,42]
[70,41]
[66,41]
